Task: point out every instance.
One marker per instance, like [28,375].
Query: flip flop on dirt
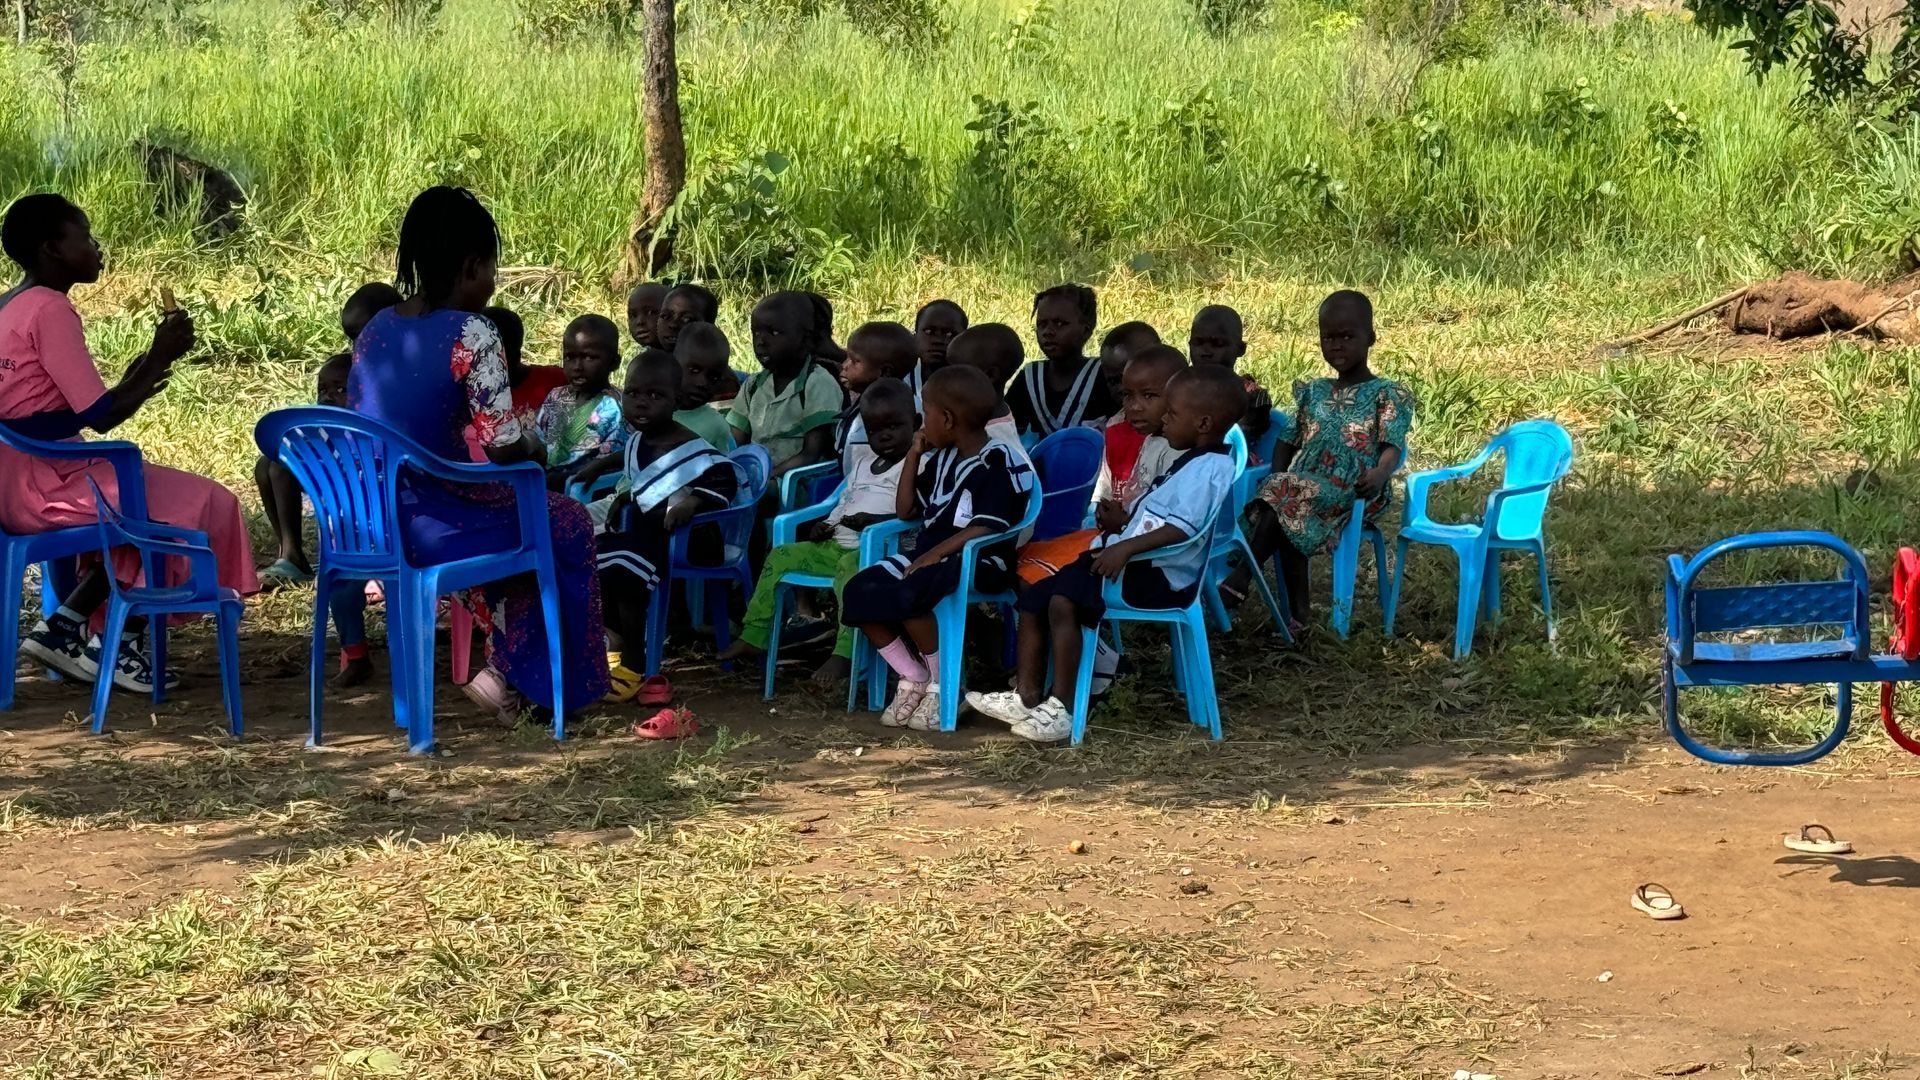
[283,573]
[668,724]
[1817,840]
[1657,903]
[655,690]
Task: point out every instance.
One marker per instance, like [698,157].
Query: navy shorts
[1143,585]
[886,593]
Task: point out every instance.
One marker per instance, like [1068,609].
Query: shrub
[1224,19]
[552,22]
[322,15]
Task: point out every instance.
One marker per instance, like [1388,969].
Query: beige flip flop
[1817,840]
[1656,902]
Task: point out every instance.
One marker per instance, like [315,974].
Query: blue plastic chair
[1841,660]
[876,542]
[735,524]
[1192,662]
[1537,454]
[598,489]
[201,593]
[1278,424]
[807,485]
[1067,465]
[1220,559]
[351,467]
[53,548]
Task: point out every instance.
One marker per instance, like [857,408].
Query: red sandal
[668,724]
[654,690]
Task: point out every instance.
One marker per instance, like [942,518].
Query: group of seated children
[931,425]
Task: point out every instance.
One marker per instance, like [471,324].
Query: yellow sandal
[626,684]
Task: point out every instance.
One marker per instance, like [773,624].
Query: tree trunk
[648,250]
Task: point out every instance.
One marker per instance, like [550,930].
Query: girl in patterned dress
[1348,438]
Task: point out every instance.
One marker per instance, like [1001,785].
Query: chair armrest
[154,535]
[123,457]
[1420,484]
[601,485]
[1495,499]
[786,527]
[794,482]
[158,543]
[1110,588]
[879,540]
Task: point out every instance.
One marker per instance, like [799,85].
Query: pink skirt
[37,495]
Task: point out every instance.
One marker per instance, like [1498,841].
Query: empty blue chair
[1067,466]
[19,552]
[354,469]
[1220,559]
[1537,454]
[200,593]
[735,525]
[1840,658]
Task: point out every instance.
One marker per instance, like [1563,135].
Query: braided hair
[445,227]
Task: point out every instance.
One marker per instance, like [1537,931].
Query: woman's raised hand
[172,338]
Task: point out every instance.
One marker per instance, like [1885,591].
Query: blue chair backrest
[1841,602]
[1279,425]
[349,466]
[755,467]
[1067,465]
[1536,452]
[1228,517]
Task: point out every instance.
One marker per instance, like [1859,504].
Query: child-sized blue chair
[807,485]
[1220,558]
[1067,465]
[735,525]
[1842,658]
[200,593]
[874,546]
[1537,454]
[351,467]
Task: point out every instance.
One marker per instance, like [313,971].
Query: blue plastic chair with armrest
[200,593]
[1220,558]
[353,469]
[1537,453]
[1067,464]
[56,546]
[735,525]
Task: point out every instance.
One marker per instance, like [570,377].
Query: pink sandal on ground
[489,690]
[668,724]
[655,690]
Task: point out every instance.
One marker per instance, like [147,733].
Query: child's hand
[822,530]
[1110,562]
[679,511]
[919,445]
[617,509]
[1110,515]
[922,563]
[1373,482]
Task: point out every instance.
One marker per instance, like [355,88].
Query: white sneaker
[906,698]
[926,715]
[1004,706]
[64,653]
[1050,721]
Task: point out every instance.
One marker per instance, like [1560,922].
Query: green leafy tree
[1874,65]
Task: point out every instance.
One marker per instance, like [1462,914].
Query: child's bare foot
[352,673]
[832,673]
[740,650]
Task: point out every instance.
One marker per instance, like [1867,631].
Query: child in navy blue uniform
[1203,404]
[967,485]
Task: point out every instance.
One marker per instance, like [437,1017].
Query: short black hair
[646,286]
[1221,393]
[995,343]
[967,391]
[1224,314]
[367,301]
[709,303]
[702,335]
[1160,356]
[513,332]
[1349,298]
[941,302]
[33,222]
[597,325]
[793,301]
[1132,335]
[888,343]
[444,228]
[885,393]
[655,363]
[337,360]
[1081,295]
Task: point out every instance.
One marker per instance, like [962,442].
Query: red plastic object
[1906,638]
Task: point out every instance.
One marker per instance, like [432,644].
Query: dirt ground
[1503,873]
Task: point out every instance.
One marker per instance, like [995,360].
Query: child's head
[878,350]
[683,306]
[643,313]
[367,301]
[886,409]
[651,394]
[513,334]
[330,382]
[1203,404]
[703,353]
[1217,337]
[822,319]
[1121,345]
[784,332]
[934,329]
[1143,389]
[449,250]
[957,401]
[993,348]
[1063,319]
[590,352]
[1346,331]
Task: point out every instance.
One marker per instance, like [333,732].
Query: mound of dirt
[1797,305]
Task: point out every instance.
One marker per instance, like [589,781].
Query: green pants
[823,557]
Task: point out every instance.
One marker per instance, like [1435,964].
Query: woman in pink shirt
[50,388]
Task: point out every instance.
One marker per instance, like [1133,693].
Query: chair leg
[422,615]
[323,583]
[1390,602]
[156,652]
[1346,567]
[952,620]
[1217,615]
[1083,684]
[1380,567]
[556,651]
[1546,593]
[657,625]
[1203,704]
[400,635]
[1466,614]
[109,651]
[1490,588]
[11,589]
[228,618]
[773,640]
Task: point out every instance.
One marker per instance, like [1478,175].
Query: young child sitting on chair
[966,485]
[1203,404]
[580,422]
[704,353]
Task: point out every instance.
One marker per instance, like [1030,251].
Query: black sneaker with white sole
[131,669]
[63,652]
